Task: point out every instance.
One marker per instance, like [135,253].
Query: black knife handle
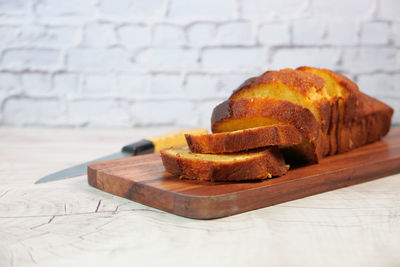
[138,148]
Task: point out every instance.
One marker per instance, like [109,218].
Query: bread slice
[242,140]
[254,165]
[232,115]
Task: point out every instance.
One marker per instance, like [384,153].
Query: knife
[145,146]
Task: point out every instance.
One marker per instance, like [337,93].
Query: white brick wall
[124,63]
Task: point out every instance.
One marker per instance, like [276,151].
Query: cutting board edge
[361,177]
[207,207]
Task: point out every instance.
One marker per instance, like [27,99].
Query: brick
[202,34]
[233,58]
[29,33]
[105,113]
[95,84]
[134,35]
[168,35]
[9,82]
[313,31]
[14,6]
[389,10]
[274,34]
[133,8]
[260,9]
[200,86]
[375,33]
[166,84]
[396,33]
[235,33]
[27,111]
[194,9]
[341,32]
[65,8]
[99,35]
[344,8]
[97,59]
[33,82]
[380,84]
[315,57]
[2,98]
[132,85]
[60,35]
[398,59]
[47,35]
[308,31]
[168,112]
[65,83]
[8,34]
[365,59]
[22,58]
[168,59]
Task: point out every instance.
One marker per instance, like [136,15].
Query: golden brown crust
[344,107]
[244,139]
[347,118]
[268,163]
[332,131]
[301,81]
[350,100]
[325,108]
[348,84]
[360,120]
[279,110]
[372,122]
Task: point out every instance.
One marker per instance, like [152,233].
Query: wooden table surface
[69,223]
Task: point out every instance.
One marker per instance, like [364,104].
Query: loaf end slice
[242,140]
[254,165]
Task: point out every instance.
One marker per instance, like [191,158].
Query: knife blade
[145,146]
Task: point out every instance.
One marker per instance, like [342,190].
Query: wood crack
[31,256]
[2,195]
[29,251]
[40,225]
[98,206]
[80,213]
[51,219]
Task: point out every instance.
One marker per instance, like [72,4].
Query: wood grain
[144,180]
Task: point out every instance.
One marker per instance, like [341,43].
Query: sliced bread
[242,140]
[254,165]
[232,115]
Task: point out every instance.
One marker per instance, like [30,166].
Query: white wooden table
[69,223]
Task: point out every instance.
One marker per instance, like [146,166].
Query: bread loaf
[326,107]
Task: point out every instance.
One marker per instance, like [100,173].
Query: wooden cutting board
[143,179]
